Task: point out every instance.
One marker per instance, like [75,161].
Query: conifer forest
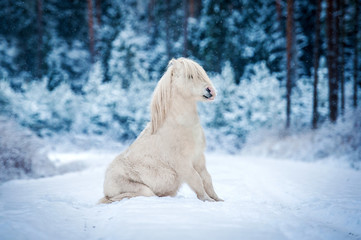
[88,68]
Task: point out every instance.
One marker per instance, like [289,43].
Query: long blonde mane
[193,70]
[162,95]
[161,99]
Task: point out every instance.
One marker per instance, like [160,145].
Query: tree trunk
[185,28]
[336,14]
[279,11]
[191,9]
[40,38]
[167,23]
[151,5]
[98,6]
[290,62]
[342,54]
[337,61]
[355,63]
[197,7]
[331,62]
[316,59]
[91,30]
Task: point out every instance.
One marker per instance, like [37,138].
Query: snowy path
[264,199]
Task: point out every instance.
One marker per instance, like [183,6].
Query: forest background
[88,68]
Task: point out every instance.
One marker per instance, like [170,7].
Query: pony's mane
[161,100]
[193,70]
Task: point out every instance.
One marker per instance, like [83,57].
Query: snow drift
[20,153]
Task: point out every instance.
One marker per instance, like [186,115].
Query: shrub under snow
[337,142]
[20,155]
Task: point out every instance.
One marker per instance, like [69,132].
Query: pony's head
[191,81]
[184,78]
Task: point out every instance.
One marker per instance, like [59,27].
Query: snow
[264,199]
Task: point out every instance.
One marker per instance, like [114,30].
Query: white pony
[170,150]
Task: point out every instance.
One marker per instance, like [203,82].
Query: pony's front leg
[200,167]
[195,182]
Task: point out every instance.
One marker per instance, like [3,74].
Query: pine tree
[305,12]
[98,7]
[342,54]
[316,59]
[18,26]
[167,29]
[290,59]
[213,32]
[331,61]
[91,30]
[185,27]
[355,64]
[40,38]
[272,48]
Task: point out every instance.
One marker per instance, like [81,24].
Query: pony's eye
[191,76]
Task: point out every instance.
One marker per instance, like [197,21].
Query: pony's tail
[161,99]
[104,200]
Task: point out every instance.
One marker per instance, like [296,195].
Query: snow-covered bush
[7,52]
[262,100]
[69,64]
[19,153]
[337,142]
[44,112]
[102,109]
[131,60]
[108,109]
[240,109]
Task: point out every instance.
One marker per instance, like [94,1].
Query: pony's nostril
[209,93]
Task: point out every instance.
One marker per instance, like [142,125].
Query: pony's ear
[171,62]
[161,99]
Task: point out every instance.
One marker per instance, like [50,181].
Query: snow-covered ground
[264,199]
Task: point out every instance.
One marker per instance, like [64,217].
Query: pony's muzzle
[209,93]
